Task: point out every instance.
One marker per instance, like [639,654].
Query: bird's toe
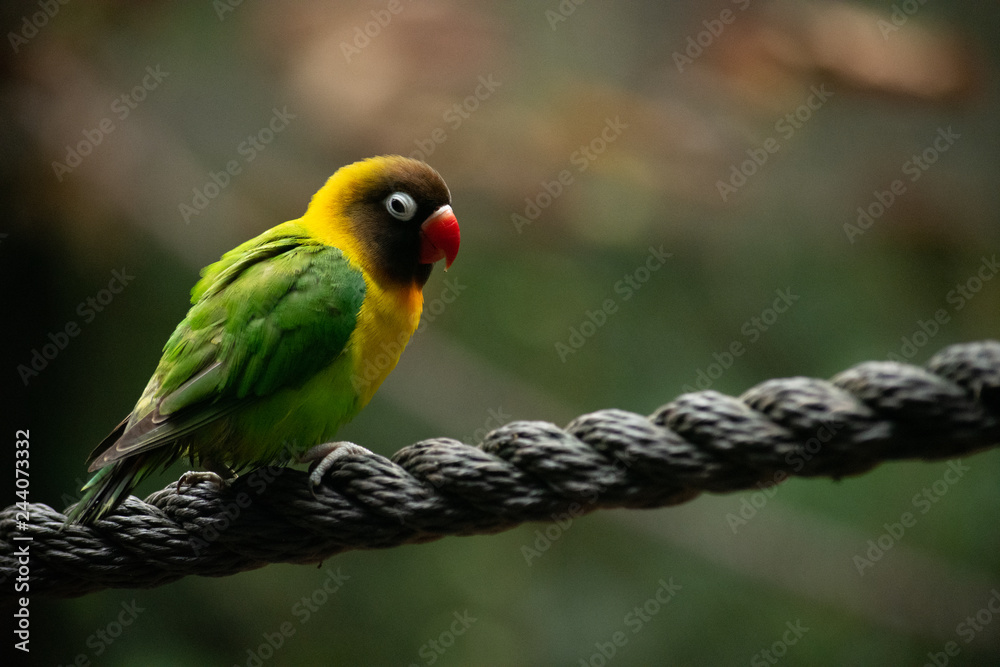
[192,477]
[325,457]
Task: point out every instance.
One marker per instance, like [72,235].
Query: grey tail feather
[108,488]
[108,441]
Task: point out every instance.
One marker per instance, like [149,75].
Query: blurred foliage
[534,93]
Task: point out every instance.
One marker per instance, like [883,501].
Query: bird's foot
[192,477]
[325,456]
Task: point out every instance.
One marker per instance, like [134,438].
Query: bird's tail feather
[107,489]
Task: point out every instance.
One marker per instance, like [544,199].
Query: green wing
[268,315]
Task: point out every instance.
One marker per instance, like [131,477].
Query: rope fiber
[523,471]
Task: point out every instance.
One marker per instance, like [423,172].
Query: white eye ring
[401,206]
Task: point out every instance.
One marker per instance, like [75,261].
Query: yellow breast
[385,324]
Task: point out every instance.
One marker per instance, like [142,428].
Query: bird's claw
[325,456]
[192,477]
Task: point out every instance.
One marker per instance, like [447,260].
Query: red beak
[439,237]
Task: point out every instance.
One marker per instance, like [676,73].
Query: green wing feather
[270,314]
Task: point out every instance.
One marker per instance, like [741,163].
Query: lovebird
[288,336]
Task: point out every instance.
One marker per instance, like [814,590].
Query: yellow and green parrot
[288,335]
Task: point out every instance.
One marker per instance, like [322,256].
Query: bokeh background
[834,100]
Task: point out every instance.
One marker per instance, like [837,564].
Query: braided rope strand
[525,471]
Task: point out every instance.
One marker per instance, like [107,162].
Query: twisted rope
[524,471]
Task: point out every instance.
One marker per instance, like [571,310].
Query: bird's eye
[400,205]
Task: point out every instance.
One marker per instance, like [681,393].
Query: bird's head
[390,214]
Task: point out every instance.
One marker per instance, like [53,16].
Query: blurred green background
[631,115]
